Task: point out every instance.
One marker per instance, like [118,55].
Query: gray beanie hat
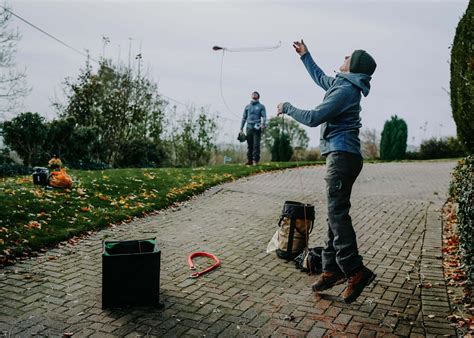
[362,62]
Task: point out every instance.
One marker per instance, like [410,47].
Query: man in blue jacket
[256,117]
[339,118]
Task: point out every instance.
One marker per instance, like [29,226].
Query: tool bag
[295,225]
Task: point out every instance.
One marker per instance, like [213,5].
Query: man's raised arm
[313,69]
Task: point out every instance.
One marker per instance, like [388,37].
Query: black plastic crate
[130,273]
[40,176]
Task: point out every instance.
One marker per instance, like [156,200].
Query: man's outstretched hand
[300,47]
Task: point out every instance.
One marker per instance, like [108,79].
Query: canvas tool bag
[295,225]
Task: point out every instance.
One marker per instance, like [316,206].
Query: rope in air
[238,50]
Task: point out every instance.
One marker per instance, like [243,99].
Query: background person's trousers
[340,252]
[253,143]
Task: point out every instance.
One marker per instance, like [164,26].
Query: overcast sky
[409,40]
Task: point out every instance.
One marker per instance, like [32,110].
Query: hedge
[462,78]
[462,191]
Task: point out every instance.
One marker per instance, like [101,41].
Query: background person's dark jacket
[254,115]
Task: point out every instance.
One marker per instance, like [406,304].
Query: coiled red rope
[203,254]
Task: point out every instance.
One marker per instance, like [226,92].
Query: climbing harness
[202,254]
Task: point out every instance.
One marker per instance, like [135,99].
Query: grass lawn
[33,218]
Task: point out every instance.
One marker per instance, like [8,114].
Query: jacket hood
[360,80]
[254,101]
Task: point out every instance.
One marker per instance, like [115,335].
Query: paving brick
[219,326]
[365,333]
[343,319]
[317,332]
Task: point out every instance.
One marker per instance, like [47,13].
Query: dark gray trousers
[253,143]
[340,252]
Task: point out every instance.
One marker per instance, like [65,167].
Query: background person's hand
[300,47]
[280,109]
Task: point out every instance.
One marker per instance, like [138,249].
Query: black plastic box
[40,176]
[130,273]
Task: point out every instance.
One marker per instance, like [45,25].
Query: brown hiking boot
[357,283]
[248,163]
[327,280]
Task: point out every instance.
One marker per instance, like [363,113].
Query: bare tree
[370,143]
[13,85]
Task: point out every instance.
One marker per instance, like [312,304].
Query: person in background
[256,117]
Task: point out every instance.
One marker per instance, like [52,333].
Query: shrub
[117,101]
[441,148]
[13,169]
[281,149]
[462,191]
[193,142]
[26,134]
[297,135]
[140,153]
[462,78]
[393,144]
[412,155]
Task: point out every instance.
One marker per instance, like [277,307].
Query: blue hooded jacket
[338,114]
[255,115]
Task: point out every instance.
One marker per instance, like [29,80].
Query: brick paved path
[396,210]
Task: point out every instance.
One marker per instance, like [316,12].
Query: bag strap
[291,235]
[282,217]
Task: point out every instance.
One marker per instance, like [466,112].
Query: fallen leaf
[102,197]
[33,225]
[425,285]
